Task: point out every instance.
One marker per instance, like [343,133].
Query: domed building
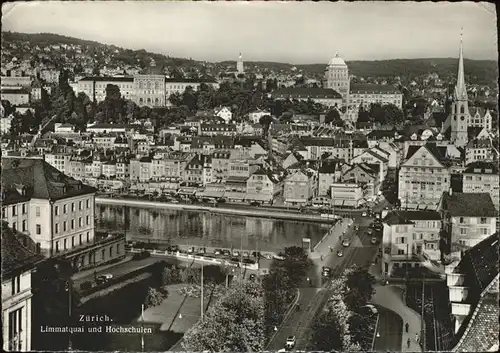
[337,76]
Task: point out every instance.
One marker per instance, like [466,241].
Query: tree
[191,275]
[175,99]
[333,117]
[155,297]
[296,263]
[235,323]
[360,288]
[265,121]
[393,115]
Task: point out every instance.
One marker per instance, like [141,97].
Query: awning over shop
[210,193]
[187,191]
[296,200]
[258,197]
[234,195]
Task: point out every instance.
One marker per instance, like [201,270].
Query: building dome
[337,61]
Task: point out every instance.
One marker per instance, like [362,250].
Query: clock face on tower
[462,118]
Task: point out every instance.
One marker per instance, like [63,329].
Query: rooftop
[306,92]
[469,204]
[373,88]
[35,178]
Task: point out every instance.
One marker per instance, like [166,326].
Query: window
[483,220]
[16,284]
[463,231]
[118,249]
[72,241]
[80,221]
[65,226]
[65,209]
[110,251]
[484,231]
[401,252]
[14,226]
[72,207]
[461,220]
[80,239]
[72,224]
[14,210]
[57,246]
[38,229]
[4,212]
[25,208]
[57,228]
[103,254]
[80,205]
[88,237]
[15,328]
[65,243]
[25,226]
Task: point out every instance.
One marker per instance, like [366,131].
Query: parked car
[340,253]
[268,256]
[364,214]
[374,240]
[252,277]
[255,203]
[226,252]
[372,309]
[141,255]
[278,257]
[346,242]
[370,231]
[256,254]
[236,253]
[246,254]
[248,261]
[217,252]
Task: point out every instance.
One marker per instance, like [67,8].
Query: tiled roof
[376,134]
[14,255]
[437,119]
[480,263]
[373,88]
[469,204]
[482,168]
[439,152]
[393,218]
[14,91]
[40,179]
[479,143]
[482,327]
[306,92]
[473,131]
[421,215]
[108,78]
[328,167]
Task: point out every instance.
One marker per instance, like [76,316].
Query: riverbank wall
[251,211]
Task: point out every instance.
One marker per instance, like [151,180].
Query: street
[390,331]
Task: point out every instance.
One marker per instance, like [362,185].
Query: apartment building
[262,186]
[60,161]
[482,177]
[299,187]
[468,218]
[328,173]
[423,177]
[17,265]
[348,194]
[56,211]
[479,150]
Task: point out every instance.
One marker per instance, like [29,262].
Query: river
[195,228]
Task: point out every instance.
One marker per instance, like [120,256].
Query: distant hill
[483,72]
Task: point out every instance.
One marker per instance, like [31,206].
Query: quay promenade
[250,211]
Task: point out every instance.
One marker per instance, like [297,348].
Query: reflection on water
[194,228]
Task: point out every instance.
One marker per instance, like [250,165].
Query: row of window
[65,242]
[65,224]
[73,209]
[482,231]
[24,210]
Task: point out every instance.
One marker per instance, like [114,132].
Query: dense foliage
[235,323]
[280,285]
[155,297]
[343,325]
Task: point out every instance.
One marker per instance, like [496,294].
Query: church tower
[239,65]
[459,107]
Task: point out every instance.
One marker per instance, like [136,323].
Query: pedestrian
[321,257]
[408,342]
[407,327]
[416,338]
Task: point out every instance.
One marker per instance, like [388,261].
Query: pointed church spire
[460,89]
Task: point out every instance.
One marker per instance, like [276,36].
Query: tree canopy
[235,323]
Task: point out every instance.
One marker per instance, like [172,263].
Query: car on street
[370,231]
[326,271]
[374,240]
[371,308]
[103,278]
[268,256]
[256,254]
[290,342]
[226,252]
[255,203]
[356,227]
[340,253]
[174,201]
[346,242]
[236,253]
[364,214]
[278,257]
[217,252]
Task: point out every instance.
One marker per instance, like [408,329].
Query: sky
[298,33]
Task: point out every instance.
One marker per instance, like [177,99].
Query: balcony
[460,309]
